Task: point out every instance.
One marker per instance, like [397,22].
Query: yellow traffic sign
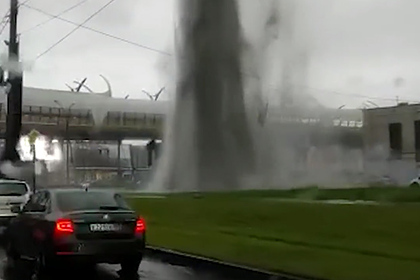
[33,135]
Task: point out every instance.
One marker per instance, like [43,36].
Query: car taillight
[64,226]
[140,225]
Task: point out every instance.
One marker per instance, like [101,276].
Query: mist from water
[220,135]
[226,131]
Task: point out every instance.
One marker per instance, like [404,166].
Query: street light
[154,97]
[338,114]
[66,133]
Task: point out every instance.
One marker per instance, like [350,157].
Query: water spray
[208,145]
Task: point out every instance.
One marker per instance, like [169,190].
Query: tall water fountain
[209,144]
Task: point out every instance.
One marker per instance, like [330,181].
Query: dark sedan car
[78,226]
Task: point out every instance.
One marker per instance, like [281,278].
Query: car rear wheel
[414,185]
[130,267]
[41,267]
[18,267]
[11,253]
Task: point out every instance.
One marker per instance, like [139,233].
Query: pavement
[149,270]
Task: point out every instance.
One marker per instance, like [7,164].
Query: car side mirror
[15,209]
[34,208]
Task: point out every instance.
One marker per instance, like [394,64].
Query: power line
[82,25]
[6,18]
[24,2]
[4,26]
[100,32]
[54,17]
[74,30]
[355,95]
[274,87]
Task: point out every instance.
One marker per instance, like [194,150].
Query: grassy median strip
[339,242]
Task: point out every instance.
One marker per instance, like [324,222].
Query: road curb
[215,266]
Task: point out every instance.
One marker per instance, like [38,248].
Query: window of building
[417,139]
[395,140]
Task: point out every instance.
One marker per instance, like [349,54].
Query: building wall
[378,155]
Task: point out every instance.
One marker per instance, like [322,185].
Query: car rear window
[13,189]
[79,201]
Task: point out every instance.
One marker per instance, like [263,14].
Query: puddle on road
[149,270]
[154,270]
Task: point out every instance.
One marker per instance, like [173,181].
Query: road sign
[33,135]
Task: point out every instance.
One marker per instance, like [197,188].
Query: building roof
[319,113]
[89,101]
[98,103]
[102,103]
[402,105]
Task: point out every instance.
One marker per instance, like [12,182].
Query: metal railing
[83,118]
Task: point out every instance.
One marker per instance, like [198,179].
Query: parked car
[12,193]
[415,182]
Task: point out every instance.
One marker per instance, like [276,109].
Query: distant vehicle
[12,193]
[415,182]
[387,180]
[76,226]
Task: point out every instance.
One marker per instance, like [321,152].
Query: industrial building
[392,141]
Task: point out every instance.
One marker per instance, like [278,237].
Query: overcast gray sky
[357,48]
[87,54]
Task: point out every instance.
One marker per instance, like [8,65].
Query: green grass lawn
[384,194]
[339,242]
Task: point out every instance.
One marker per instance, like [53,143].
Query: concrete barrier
[222,269]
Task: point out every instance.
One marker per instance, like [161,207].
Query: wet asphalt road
[149,270]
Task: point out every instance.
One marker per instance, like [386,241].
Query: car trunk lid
[103,224]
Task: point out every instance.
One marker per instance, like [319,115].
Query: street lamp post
[338,114]
[67,139]
[154,97]
[33,135]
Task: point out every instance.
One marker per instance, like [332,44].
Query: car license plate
[105,227]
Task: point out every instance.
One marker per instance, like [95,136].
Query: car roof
[11,181]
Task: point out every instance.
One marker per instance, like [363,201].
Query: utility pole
[67,136]
[67,151]
[14,98]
